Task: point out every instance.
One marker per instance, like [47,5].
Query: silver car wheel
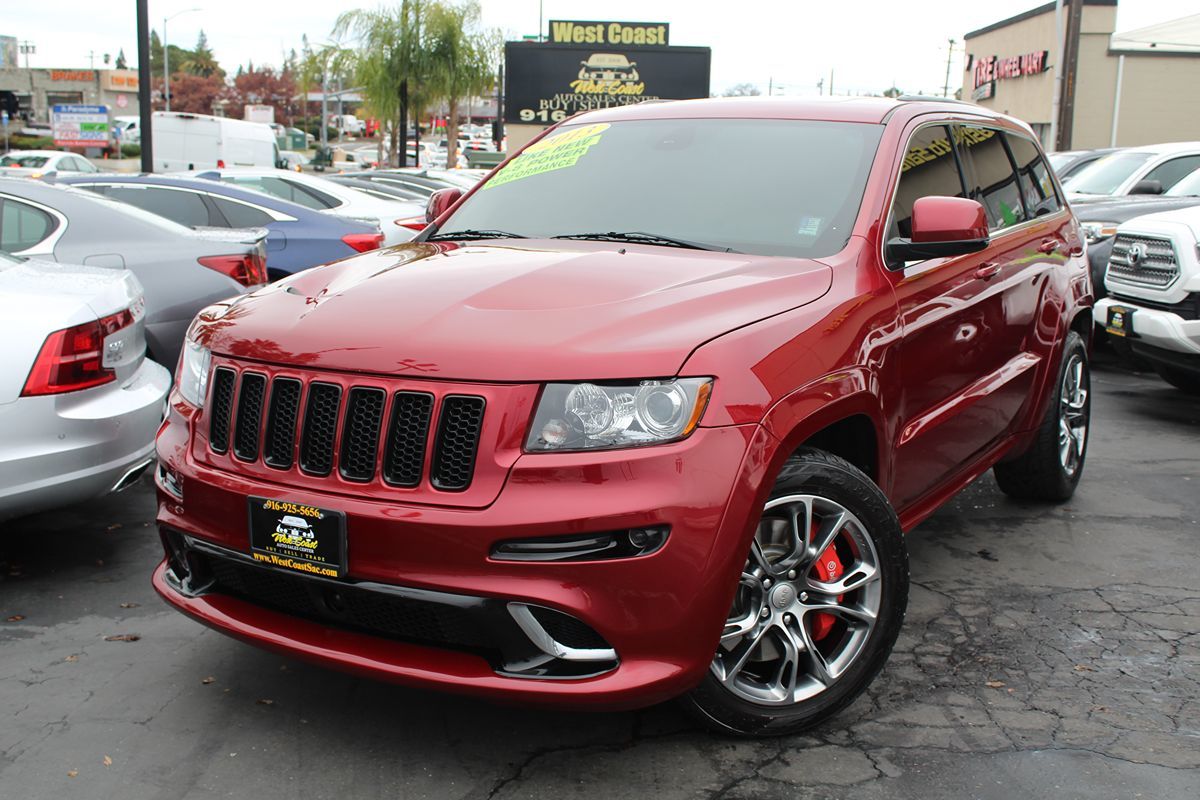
[1073,414]
[790,635]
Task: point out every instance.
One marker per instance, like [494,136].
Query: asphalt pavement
[1049,652]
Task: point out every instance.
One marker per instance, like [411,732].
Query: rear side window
[288,190]
[22,226]
[186,208]
[929,169]
[992,179]
[1036,186]
[240,215]
[1172,172]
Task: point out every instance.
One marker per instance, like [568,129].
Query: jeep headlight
[193,373]
[1098,231]
[596,416]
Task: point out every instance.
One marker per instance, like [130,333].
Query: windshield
[1105,175]
[1187,187]
[24,161]
[766,187]
[1059,160]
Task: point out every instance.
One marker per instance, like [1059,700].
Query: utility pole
[831,82]
[144,110]
[821,86]
[949,56]
[771,86]
[27,47]
[1066,108]
[1052,144]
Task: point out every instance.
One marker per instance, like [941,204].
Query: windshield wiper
[638,237]
[474,234]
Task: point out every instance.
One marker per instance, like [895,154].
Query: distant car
[293,160]
[421,181]
[36,163]
[1099,218]
[1069,162]
[395,191]
[127,130]
[201,141]
[1137,170]
[326,196]
[79,401]
[182,270]
[297,236]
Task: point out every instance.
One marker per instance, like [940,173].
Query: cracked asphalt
[1049,652]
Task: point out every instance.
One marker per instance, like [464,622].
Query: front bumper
[1156,328]
[63,449]
[660,613]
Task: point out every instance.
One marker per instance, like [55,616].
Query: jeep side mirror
[440,202]
[1147,187]
[941,227]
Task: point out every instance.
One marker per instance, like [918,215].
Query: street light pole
[167,58]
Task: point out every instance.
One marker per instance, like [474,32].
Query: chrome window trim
[277,216]
[46,246]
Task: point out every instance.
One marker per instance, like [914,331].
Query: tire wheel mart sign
[80,126]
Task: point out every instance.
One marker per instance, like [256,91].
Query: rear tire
[802,641]
[1050,469]
[1184,381]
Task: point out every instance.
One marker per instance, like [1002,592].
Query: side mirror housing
[440,202]
[1147,187]
[941,227]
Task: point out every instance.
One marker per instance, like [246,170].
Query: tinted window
[241,215]
[1171,172]
[1036,185]
[929,169]
[1105,175]
[286,190]
[993,182]
[682,179]
[22,226]
[186,208]
[1188,187]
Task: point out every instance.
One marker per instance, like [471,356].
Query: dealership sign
[611,33]
[546,83]
[80,126]
[996,68]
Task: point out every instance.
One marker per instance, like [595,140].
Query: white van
[199,141]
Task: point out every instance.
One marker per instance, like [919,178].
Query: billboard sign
[80,126]
[546,83]
[616,34]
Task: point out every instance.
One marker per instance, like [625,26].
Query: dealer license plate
[298,537]
[1120,321]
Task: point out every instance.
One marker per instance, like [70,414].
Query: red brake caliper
[828,568]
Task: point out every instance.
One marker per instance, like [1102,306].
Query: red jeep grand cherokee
[638,418]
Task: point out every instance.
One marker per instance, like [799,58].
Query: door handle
[987,270]
[1048,246]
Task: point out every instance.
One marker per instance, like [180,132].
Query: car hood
[1166,221]
[527,311]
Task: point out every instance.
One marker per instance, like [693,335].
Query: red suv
[635,418]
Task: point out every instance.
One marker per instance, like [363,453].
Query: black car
[1100,216]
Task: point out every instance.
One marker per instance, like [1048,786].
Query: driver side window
[930,168]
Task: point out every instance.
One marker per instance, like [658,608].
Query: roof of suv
[830,109]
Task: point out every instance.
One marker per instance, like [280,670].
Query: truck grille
[362,432]
[1143,261]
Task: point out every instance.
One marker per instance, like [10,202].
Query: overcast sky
[869,46]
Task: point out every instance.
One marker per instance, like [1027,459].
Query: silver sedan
[79,401]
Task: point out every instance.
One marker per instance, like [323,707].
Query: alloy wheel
[1073,415]
[807,601]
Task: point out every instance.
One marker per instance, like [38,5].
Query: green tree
[461,58]
[201,61]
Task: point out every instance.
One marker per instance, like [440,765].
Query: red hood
[517,311]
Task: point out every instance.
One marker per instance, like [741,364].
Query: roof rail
[931,98]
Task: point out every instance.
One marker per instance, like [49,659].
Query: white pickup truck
[1153,303]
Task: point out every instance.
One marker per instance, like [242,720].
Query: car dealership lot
[1048,652]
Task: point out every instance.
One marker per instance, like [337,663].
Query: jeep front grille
[1153,264]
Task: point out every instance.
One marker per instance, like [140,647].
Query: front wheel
[818,605]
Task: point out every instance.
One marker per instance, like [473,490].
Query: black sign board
[616,34]
[546,83]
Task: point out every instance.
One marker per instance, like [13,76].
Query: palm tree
[461,61]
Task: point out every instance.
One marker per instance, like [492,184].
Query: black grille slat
[248,425]
[222,408]
[457,443]
[360,433]
[283,416]
[320,428]
[408,436]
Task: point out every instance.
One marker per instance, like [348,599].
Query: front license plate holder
[298,537]
[1120,321]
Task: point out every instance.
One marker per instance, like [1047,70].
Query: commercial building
[1131,88]
[29,94]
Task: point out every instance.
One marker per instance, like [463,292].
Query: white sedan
[36,163]
[392,216]
[79,401]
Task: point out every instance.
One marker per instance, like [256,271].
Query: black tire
[812,472]
[1184,381]
[1040,474]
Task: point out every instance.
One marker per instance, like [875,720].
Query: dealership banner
[546,83]
[79,126]
[617,34]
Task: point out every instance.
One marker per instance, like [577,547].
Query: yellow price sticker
[559,151]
